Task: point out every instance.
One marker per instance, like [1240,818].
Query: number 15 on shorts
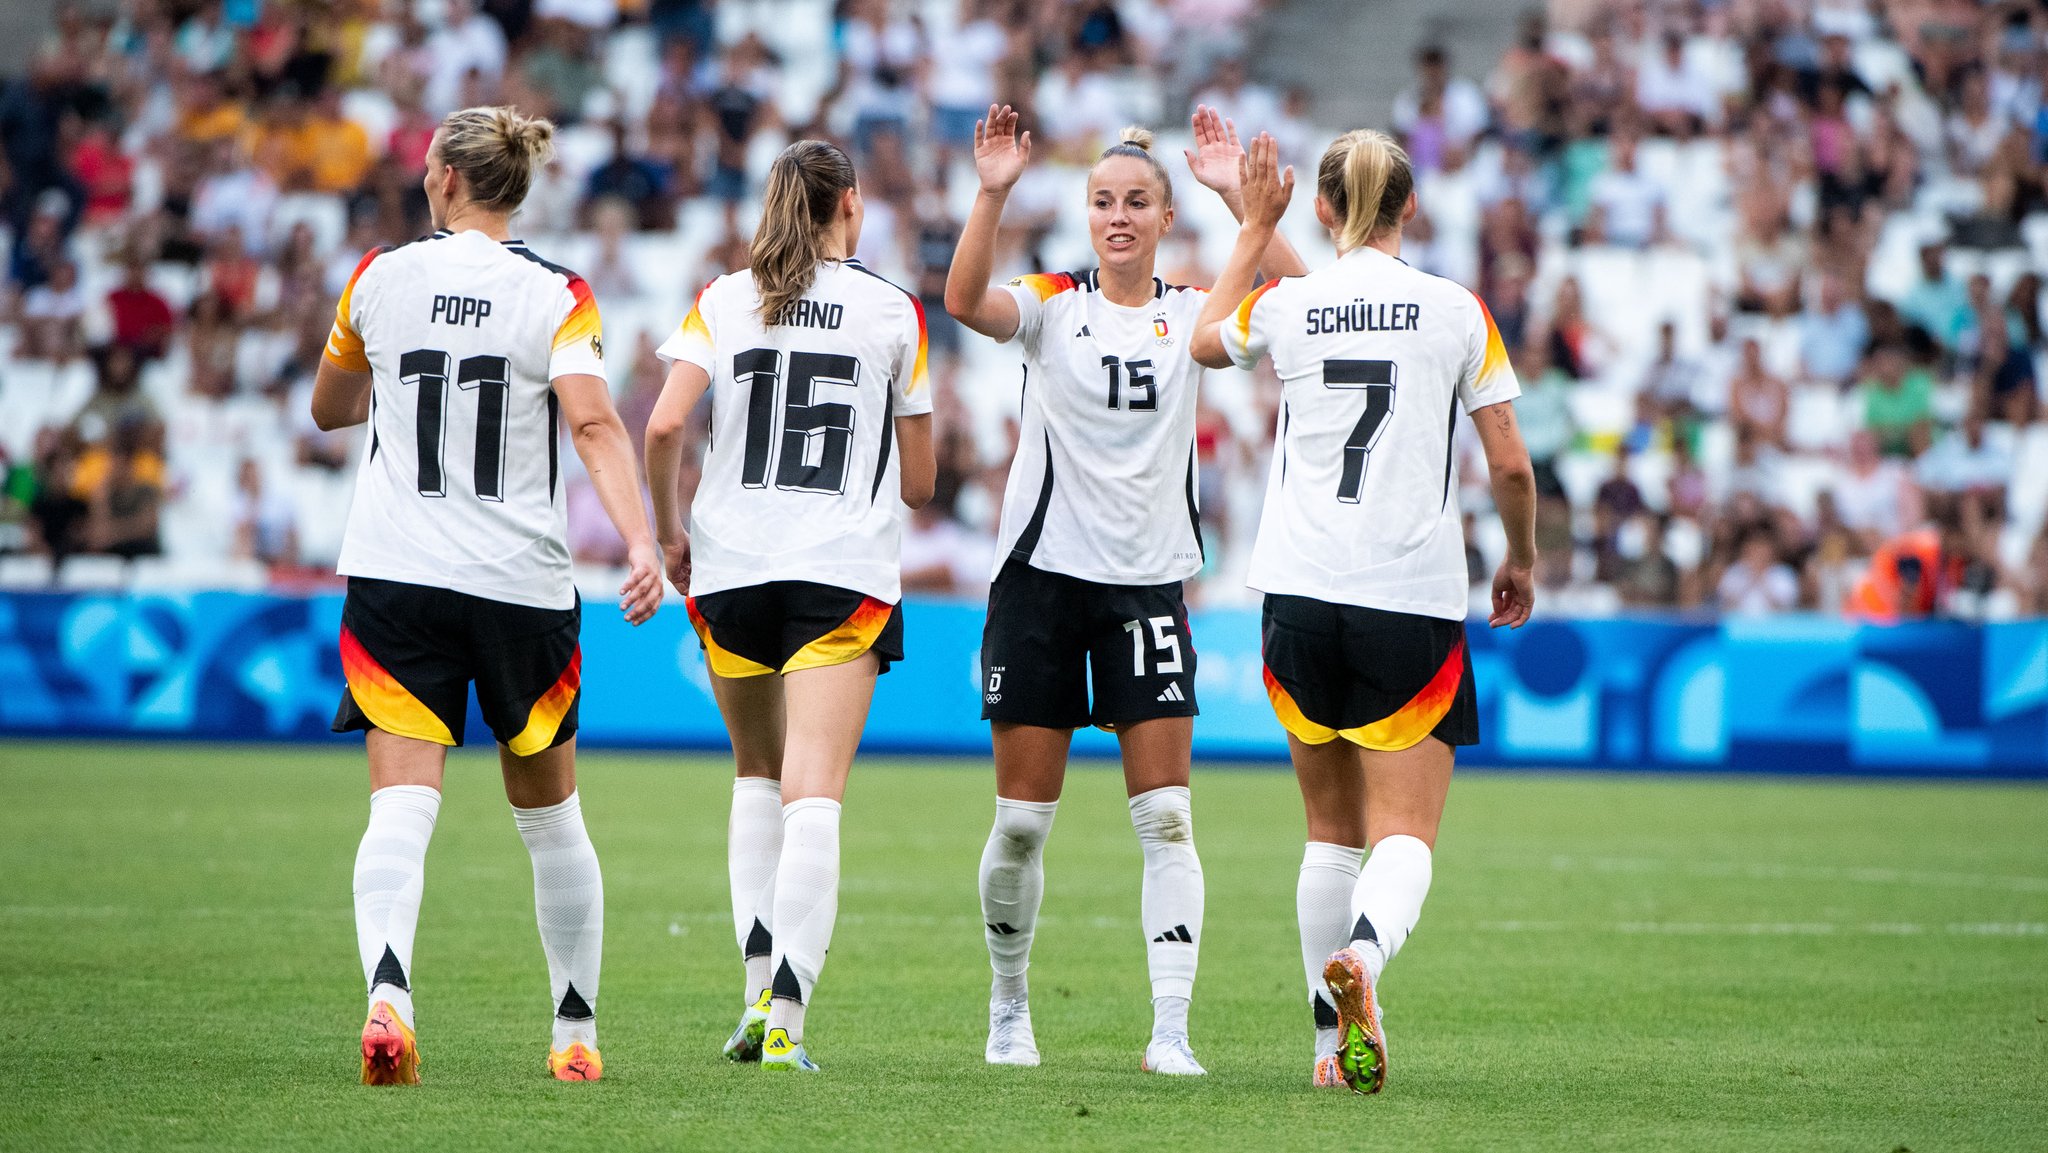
[1163,641]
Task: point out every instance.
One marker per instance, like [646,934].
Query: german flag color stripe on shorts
[848,641]
[544,720]
[386,702]
[1398,730]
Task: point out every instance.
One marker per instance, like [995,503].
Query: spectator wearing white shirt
[1875,495]
[1675,88]
[468,42]
[1965,462]
[1758,583]
[1631,204]
[962,81]
[1437,111]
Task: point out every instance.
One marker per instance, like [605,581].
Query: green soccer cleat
[780,1053]
[745,1042]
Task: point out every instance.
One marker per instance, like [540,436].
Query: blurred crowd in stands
[1771,270]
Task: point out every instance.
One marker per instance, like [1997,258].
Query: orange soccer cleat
[579,1062]
[391,1054]
[1361,1046]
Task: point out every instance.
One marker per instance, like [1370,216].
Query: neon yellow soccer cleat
[781,1053]
[745,1042]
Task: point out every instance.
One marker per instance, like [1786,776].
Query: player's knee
[1020,833]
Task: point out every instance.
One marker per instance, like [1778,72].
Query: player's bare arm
[685,386]
[1000,155]
[1218,165]
[341,399]
[607,452]
[1266,189]
[1514,494]
[919,464]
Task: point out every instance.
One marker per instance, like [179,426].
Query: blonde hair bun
[496,150]
[1136,137]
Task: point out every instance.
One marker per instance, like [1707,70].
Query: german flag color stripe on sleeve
[387,703]
[1496,359]
[693,324]
[1241,324]
[1045,285]
[917,370]
[544,720]
[344,344]
[582,322]
[852,638]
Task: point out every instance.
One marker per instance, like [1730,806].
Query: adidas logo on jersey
[1172,692]
[1082,333]
[1178,934]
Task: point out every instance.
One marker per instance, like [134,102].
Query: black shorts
[786,626]
[1051,638]
[1381,680]
[410,651]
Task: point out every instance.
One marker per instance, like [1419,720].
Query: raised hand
[1217,158]
[1000,154]
[1267,188]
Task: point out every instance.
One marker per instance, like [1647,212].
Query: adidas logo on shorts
[1173,692]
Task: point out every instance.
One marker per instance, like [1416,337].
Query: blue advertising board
[1781,694]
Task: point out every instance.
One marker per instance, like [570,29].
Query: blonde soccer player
[1360,554]
[1086,621]
[820,444]
[467,354]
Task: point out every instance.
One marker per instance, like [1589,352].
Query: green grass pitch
[1606,962]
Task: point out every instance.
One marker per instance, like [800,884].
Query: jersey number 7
[1376,377]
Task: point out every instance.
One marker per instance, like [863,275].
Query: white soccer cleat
[1173,1058]
[1010,1040]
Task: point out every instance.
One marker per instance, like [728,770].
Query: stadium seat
[92,572]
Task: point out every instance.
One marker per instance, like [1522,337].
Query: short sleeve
[691,341]
[345,341]
[579,339]
[1031,293]
[1488,377]
[913,386]
[1245,332]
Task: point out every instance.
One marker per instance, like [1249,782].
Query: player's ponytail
[496,151]
[1366,178]
[1136,143]
[804,188]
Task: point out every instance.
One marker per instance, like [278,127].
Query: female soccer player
[820,438]
[1364,633]
[465,352]
[1099,529]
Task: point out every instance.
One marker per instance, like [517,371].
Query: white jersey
[801,481]
[461,487]
[1374,359]
[1103,484]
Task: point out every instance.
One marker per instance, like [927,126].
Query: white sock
[1170,904]
[1322,907]
[1388,898]
[568,896]
[753,844]
[1169,1018]
[1012,888]
[806,905]
[390,875]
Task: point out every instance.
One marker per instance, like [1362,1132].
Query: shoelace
[1004,1020]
